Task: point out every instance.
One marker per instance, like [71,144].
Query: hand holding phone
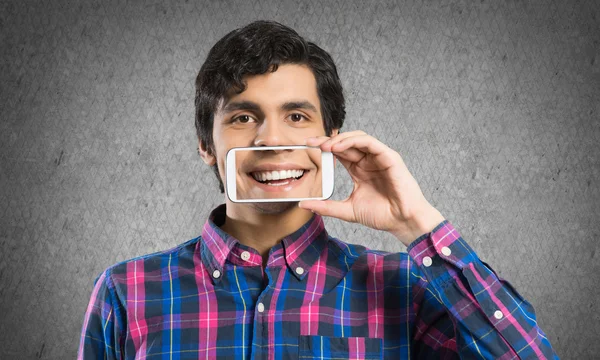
[278,174]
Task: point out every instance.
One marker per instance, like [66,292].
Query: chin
[272,208]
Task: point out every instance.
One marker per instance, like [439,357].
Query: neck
[262,230]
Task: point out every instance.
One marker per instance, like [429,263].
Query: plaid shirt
[317,298]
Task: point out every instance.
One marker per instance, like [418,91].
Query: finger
[383,156]
[316,141]
[347,165]
[338,209]
[326,146]
[346,157]
[364,143]
[352,155]
[320,140]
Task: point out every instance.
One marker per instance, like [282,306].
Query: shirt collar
[301,249]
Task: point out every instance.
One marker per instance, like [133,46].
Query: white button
[498,314]
[261,307]
[245,255]
[216,274]
[299,270]
[427,261]
[446,251]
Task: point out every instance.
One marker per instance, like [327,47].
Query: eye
[242,119]
[297,117]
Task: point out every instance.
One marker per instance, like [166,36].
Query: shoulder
[150,265]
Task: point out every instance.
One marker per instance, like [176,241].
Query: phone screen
[279,174]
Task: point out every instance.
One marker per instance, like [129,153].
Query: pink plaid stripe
[137,320]
[375,281]
[309,315]
[356,348]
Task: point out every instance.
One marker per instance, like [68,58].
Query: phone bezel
[327,170]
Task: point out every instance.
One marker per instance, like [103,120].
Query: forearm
[489,316]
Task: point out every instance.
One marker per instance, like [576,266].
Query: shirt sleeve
[100,336]
[464,309]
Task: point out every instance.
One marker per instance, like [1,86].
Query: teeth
[277,175]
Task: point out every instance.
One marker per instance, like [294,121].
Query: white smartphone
[278,174]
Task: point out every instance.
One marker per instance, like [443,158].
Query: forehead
[289,82]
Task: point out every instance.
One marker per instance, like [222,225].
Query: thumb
[337,209]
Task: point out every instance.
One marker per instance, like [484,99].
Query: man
[265,280]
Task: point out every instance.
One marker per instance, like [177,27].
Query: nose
[271,133]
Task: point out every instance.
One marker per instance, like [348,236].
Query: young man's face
[277,108]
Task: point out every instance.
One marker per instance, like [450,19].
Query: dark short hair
[253,50]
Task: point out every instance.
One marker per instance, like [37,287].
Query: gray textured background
[494,106]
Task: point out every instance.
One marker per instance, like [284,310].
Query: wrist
[420,223]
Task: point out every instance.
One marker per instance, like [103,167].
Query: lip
[278,166]
[282,188]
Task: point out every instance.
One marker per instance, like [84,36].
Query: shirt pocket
[325,347]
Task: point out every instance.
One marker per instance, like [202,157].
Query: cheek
[221,165]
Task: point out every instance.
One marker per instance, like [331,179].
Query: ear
[206,154]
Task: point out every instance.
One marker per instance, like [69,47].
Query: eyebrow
[293,105]
[241,105]
[287,106]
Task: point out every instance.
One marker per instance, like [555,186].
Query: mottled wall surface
[494,106]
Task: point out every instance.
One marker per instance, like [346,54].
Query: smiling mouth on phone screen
[278,178]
